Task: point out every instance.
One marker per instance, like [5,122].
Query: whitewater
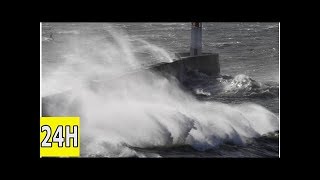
[122,113]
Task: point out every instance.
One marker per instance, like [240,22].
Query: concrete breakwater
[207,63]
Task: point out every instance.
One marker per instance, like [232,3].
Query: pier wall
[207,63]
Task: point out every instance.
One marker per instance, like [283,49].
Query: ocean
[151,116]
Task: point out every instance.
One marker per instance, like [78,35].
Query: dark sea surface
[249,63]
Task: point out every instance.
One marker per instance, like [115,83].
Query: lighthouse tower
[196,39]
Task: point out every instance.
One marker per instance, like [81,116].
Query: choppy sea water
[249,59]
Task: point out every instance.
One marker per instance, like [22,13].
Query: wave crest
[246,86]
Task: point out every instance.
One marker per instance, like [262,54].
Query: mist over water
[121,110]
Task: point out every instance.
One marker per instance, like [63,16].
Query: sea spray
[144,110]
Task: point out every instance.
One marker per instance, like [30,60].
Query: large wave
[240,85]
[145,109]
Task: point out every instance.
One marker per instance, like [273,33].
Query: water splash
[245,86]
[145,109]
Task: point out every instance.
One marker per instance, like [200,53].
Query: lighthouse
[196,39]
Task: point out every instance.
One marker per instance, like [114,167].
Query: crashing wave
[240,86]
[246,86]
[148,110]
